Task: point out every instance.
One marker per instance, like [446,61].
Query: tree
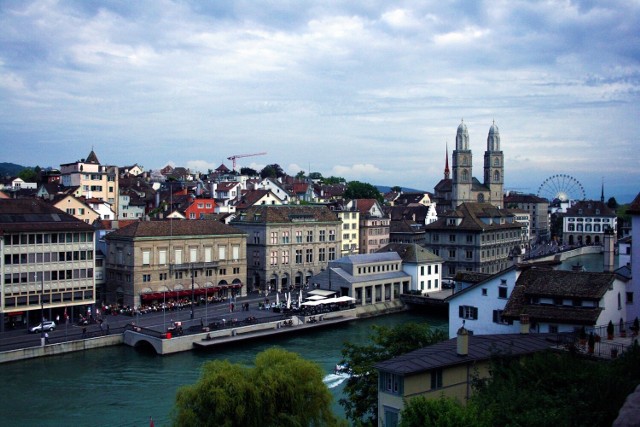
[612,203]
[315,175]
[272,171]
[446,412]
[361,389]
[248,171]
[282,389]
[28,175]
[333,180]
[362,190]
[300,175]
[396,189]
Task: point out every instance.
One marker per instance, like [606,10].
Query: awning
[315,298]
[322,292]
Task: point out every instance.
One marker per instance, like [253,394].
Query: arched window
[496,176]
[496,162]
[464,160]
[572,227]
[465,175]
[481,198]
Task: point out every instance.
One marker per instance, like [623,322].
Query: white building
[424,267]
[481,305]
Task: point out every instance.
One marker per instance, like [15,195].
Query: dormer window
[597,211]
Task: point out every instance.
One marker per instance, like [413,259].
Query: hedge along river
[119,386]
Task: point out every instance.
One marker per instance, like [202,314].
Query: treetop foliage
[281,390]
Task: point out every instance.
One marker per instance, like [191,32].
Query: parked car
[47,325]
[448,284]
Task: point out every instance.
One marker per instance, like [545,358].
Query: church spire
[602,191]
[446,162]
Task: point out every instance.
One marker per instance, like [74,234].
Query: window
[391,383]
[321,254]
[162,257]
[222,252]
[274,257]
[497,318]
[309,236]
[285,237]
[436,379]
[298,256]
[332,254]
[469,238]
[178,256]
[452,253]
[309,256]
[146,277]
[452,238]
[332,235]
[146,258]
[208,254]
[629,297]
[484,292]
[193,254]
[298,236]
[322,236]
[285,257]
[274,237]
[502,292]
[469,254]
[468,312]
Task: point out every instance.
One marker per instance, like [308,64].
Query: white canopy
[342,299]
[322,292]
[315,297]
[313,303]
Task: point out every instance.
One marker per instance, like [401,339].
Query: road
[160,321]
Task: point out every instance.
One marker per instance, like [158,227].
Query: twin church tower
[462,187]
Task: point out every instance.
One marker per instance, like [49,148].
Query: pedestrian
[107,329]
[84,332]
[46,337]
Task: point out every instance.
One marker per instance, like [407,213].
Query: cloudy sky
[370,91]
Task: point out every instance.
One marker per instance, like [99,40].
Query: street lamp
[42,336]
[192,292]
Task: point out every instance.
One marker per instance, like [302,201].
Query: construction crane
[238,156]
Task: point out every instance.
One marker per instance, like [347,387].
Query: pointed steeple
[602,191]
[92,158]
[446,164]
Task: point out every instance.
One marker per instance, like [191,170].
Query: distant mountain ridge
[385,189]
[10,169]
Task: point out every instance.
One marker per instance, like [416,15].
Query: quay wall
[561,256]
[61,348]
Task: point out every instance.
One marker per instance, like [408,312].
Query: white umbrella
[289,300]
[300,298]
[278,298]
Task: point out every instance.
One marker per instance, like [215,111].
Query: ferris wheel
[561,187]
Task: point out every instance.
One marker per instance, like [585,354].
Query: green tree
[272,171]
[396,189]
[361,389]
[612,203]
[333,180]
[248,171]
[300,175]
[442,412]
[362,190]
[28,175]
[282,389]
[315,175]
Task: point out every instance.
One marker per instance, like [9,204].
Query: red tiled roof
[176,228]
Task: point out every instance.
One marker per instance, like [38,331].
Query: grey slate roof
[411,253]
[481,347]
[25,215]
[261,214]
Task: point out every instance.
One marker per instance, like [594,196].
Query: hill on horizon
[10,169]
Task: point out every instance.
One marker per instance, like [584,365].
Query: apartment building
[288,244]
[48,262]
[150,261]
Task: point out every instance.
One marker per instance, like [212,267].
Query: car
[47,325]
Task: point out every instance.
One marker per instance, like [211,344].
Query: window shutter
[461,312]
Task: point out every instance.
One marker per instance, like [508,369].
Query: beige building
[446,369]
[48,262]
[476,237]
[75,207]
[154,260]
[288,244]
[374,224]
[350,231]
[92,179]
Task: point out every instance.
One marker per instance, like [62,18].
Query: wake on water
[334,380]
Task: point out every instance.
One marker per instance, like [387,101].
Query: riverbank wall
[562,256]
[61,348]
[186,343]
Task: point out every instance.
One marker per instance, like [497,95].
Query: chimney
[524,323]
[463,341]
[608,242]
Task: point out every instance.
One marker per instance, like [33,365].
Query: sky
[370,91]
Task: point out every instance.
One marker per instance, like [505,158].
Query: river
[118,386]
